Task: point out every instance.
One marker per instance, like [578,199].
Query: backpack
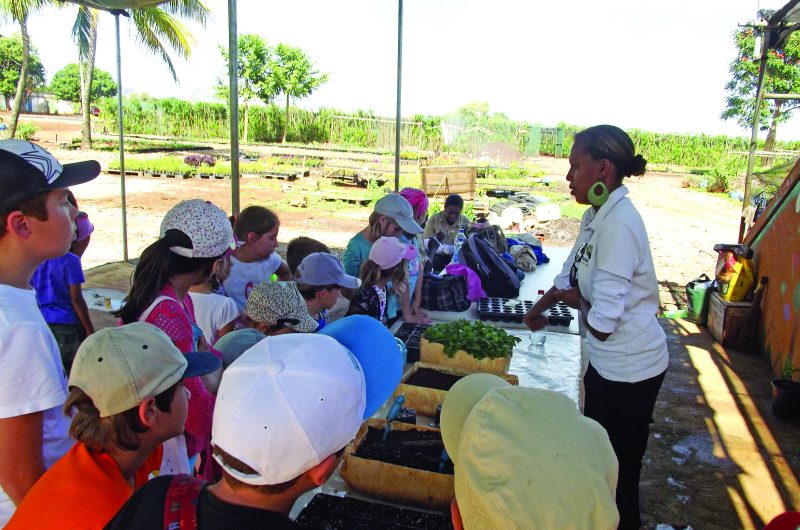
[444,293]
[497,276]
[493,234]
[180,505]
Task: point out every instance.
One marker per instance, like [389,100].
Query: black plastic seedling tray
[559,315]
[499,310]
[410,335]
[331,512]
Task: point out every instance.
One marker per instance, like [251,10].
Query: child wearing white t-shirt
[216,314]
[254,261]
[37,223]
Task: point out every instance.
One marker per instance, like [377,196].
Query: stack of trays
[410,335]
[559,315]
[328,511]
[499,309]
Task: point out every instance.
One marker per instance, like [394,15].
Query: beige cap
[119,367]
[526,458]
[280,303]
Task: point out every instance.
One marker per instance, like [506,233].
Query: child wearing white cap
[387,263]
[319,388]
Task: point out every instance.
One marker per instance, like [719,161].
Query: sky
[653,65]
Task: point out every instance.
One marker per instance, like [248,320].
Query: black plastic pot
[786,398]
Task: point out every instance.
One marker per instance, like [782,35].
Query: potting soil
[331,512]
[414,449]
[429,378]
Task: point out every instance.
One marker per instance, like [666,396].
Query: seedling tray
[331,512]
[559,315]
[410,335]
[495,308]
[426,385]
[399,483]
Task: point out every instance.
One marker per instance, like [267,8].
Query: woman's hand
[535,321]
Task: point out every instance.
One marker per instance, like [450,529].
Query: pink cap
[389,251]
[417,199]
[85,227]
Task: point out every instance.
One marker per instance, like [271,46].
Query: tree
[66,84]
[781,76]
[253,58]
[18,10]
[292,74]
[156,29]
[10,66]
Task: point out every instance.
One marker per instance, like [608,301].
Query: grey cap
[398,208]
[321,268]
[233,344]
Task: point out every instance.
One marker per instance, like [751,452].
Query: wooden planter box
[424,400]
[395,483]
[433,353]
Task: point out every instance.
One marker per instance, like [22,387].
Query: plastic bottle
[460,238]
[538,337]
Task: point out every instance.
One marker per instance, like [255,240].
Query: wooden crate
[433,353]
[726,319]
[444,180]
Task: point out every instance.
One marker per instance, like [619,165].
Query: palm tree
[156,29]
[18,10]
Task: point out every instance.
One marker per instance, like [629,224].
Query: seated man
[320,279]
[128,398]
[285,411]
[526,458]
[444,225]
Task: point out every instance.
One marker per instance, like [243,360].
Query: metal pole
[233,73]
[121,147]
[751,158]
[399,90]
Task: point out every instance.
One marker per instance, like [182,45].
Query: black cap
[27,169]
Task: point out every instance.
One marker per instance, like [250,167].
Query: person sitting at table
[610,276]
[444,225]
[319,387]
[525,458]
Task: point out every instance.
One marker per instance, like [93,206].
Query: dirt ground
[718,459]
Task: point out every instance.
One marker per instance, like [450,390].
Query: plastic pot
[786,398]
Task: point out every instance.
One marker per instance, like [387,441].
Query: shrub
[27,131]
[199,160]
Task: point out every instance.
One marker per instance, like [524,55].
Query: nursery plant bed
[426,385]
[468,345]
[404,469]
[329,512]
[411,334]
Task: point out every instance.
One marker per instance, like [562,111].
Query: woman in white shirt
[610,276]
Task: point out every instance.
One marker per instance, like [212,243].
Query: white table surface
[558,365]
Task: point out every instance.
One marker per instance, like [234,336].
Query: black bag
[445,293]
[498,278]
[493,234]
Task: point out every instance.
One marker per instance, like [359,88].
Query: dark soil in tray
[415,449]
[430,378]
[410,335]
[329,512]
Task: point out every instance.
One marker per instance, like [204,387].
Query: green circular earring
[598,194]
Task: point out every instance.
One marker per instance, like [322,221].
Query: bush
[199,160]
[27,131]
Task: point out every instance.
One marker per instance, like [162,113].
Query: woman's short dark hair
[613,144]
[454,200]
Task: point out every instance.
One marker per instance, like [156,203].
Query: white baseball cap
[206,225]
[287,404]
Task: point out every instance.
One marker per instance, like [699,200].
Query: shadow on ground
[717,458]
